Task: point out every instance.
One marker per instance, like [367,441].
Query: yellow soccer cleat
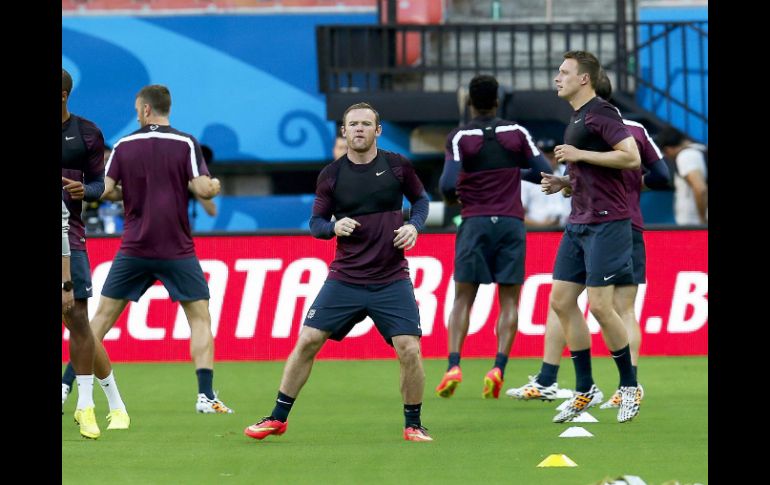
[118,419]
[86,419]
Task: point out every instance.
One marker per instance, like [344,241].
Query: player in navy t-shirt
[485,162]
[543,386]
[369,276]
[151,171]
[596,249]
[82,173]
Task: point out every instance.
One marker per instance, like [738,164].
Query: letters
[259,300]
[690,292]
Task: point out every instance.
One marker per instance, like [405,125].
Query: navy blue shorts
[490,249]
[596,254]
[80,270]
[339,306]
[130,277]
[639,257]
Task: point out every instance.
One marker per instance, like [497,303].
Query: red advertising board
[262,286]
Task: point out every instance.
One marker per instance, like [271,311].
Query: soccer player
[83,352]
[543,386]
[482,169]
[369,276]
[596,248]
[151,170]
[83,180]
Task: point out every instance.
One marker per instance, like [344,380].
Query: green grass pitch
[346,427]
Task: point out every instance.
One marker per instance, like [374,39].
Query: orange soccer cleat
[493,382]
[449,383]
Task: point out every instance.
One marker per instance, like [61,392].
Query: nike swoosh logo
[282,402]
[608,277]
[68,138]
[88,288]
[578,120]
[380,173]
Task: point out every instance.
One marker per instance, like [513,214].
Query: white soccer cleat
[594,402]
[630,401]
[598,398]
[579,403]
[614,401]
[211,406]
[534,390]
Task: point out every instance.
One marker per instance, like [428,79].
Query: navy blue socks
[454,359]
[547,375]
[412,415]
[501,360]
[582,361]
[622,358]
[283,404]
[205,382]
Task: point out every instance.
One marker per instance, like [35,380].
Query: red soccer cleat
[493,382]
[416,433]
[266,426]
[449,383]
